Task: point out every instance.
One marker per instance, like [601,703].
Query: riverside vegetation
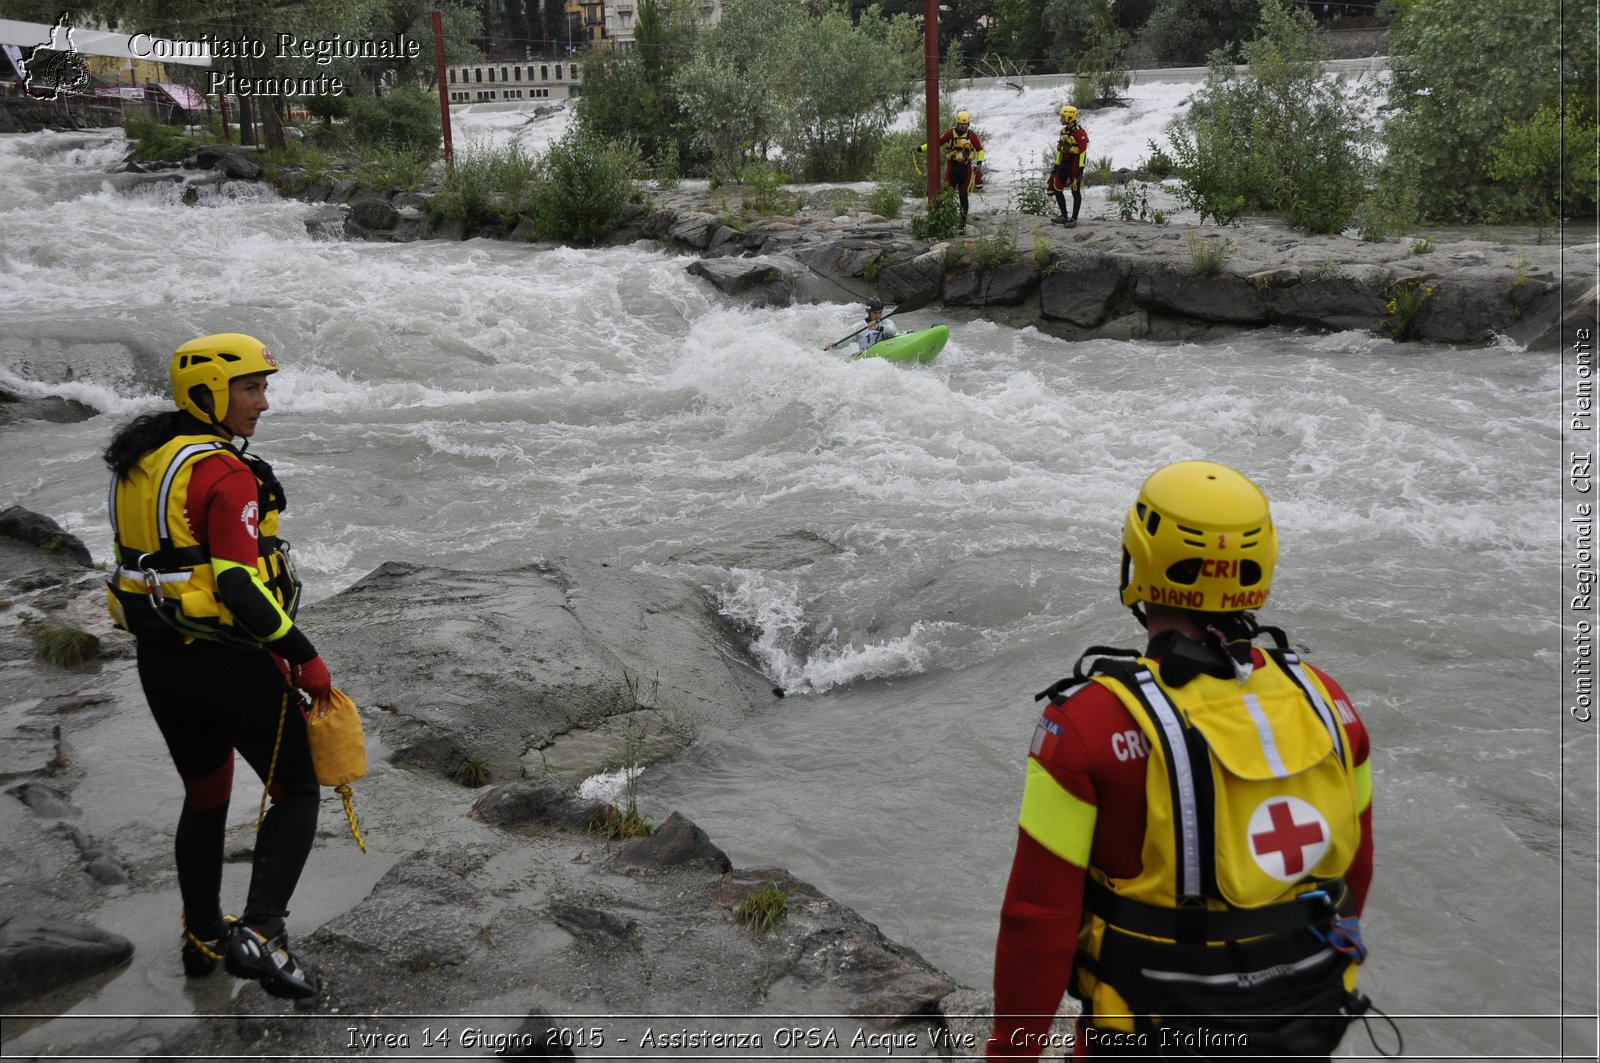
[777,91]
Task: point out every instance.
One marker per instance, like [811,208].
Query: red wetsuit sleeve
[1043,905]
[1359,875]
[223,509]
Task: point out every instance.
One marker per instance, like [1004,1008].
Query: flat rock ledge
[507,914]
[1104,279]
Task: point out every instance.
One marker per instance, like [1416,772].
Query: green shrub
[486,188]
[1159,164]
[392,166]
[584,187]
[996,248]
[941,220]
[886,199]
[1404,301]
[1044,259]
[1028,195]
[1133,203]
[157,142]
[1278,137]
[766,197]
[405,120]
[897,163]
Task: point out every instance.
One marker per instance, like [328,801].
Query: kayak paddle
[916,302]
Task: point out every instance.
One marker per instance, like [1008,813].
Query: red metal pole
[444,91]
[930,68]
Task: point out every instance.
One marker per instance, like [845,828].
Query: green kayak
[923,345]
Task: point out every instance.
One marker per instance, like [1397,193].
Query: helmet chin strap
[216,424]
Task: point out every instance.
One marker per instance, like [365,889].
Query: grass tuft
[62,645]
[1209,254]
[762,908]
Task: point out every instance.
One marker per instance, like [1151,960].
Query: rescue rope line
[272,768]
[344,791]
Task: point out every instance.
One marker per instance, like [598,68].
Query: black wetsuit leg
[209,699]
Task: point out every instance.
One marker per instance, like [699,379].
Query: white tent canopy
[100,42]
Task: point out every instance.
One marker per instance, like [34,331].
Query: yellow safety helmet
[1199,537]
[212,362]
[1069,113]
[963,118]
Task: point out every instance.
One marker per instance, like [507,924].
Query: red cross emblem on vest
[1287,837]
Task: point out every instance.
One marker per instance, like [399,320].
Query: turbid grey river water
[481,405]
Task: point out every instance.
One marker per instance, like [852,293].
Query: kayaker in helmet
[878,327]
[963,159]
[1195,839]
[204,583]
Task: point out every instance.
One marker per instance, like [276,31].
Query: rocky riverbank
[1104,279]
[494,898]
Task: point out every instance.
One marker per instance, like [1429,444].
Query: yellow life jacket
[163,577]
[1067,146]
[1253,814]
[960,148]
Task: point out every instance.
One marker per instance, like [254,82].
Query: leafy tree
[1277,137]
[1462,70]
[1018,32]
[1551,159]
[1086,40]
[845,84]
[1188,31]
[632,94]
[249,19]
[552,26]
[817,87]
[732,89]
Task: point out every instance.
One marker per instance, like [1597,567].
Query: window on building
[452,77]
[479,72]
[503,74]
[491,73]
[558,71]
[544,73]
[517,72]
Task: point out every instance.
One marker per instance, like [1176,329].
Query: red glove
[313,678]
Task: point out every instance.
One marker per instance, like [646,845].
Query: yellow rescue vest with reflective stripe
[1253,800]
[960,148]
[163,573]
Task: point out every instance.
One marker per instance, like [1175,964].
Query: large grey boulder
[565,668]
[36,529]
[759,281]
[1083,287]
[38,954]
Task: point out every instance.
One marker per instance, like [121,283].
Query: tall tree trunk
[271,120]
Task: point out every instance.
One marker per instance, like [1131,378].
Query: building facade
[529,79]
[621,15]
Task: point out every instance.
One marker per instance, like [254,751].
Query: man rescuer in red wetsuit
[1195,841]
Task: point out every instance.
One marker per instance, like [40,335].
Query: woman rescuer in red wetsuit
[204,583]
[1195,840]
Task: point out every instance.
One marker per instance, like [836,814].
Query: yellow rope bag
[338,753]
